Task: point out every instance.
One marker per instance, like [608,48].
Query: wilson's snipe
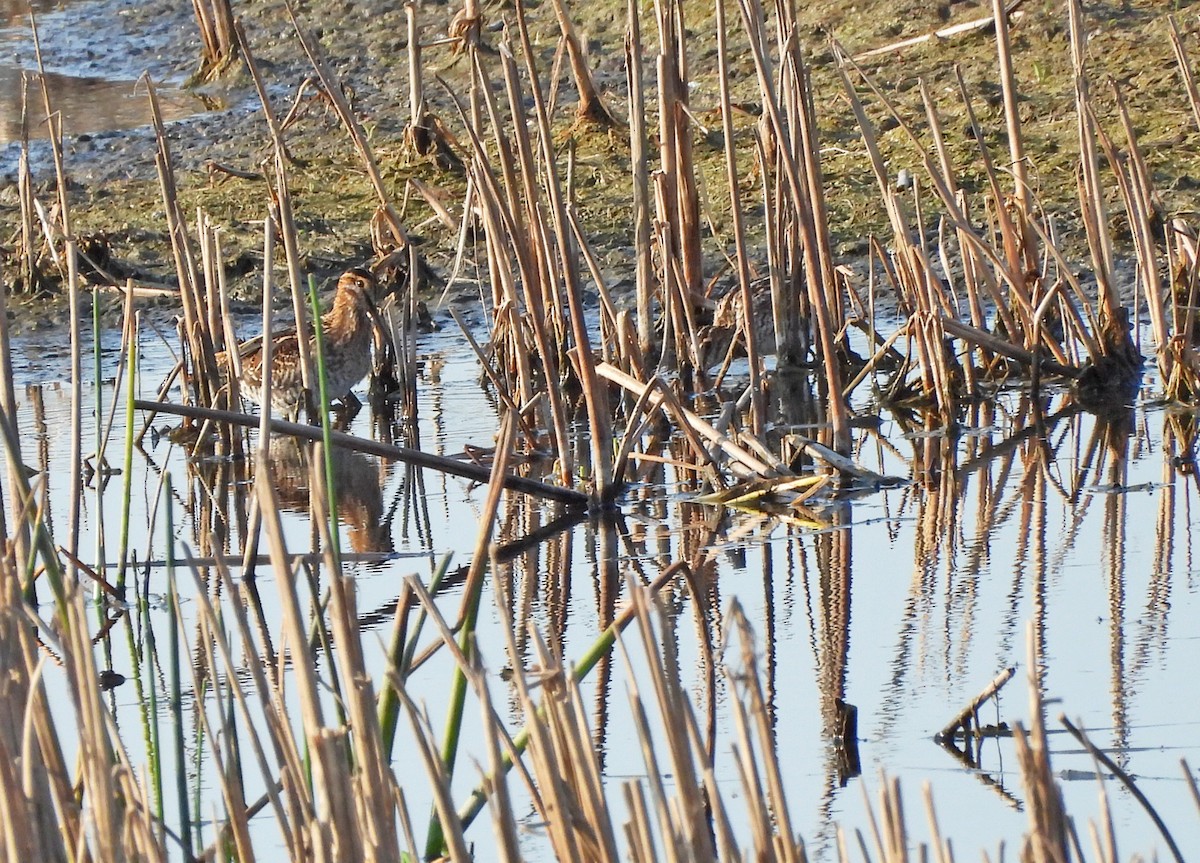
[348,333]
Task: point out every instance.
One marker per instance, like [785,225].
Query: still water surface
[906,605]
[91,79]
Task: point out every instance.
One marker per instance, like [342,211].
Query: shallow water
[91,74]
[906,604]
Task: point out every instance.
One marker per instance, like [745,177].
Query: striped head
[360,284]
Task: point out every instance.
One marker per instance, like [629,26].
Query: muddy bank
[115,197]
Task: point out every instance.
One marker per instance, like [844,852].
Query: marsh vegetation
[666,365]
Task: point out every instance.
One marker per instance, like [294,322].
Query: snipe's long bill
[348,333]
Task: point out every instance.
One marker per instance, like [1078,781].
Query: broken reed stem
[592,107]
[216,25]
[964,717]
[639,178]
[743,462]
[1016,143]
[594,394]
[1093,210]
[273,125]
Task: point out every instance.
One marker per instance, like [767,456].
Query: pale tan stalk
[743,463]
[639,176]
[1093,210]
[1185,69]
[333,89]
[591,104]
[1016,143]
[217,36]
[54,124]
[758,409]
[595,396]
[805,187]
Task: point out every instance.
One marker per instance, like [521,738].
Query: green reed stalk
[147,698]
[198,760]
[176,703]
[132,344]
[326,426]
[400,656]
[101,470]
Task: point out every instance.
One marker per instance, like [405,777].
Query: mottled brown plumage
[347,328]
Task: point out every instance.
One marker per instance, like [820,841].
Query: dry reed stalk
[293,802]
[372,782]
[970,264]
[70,253]
[524,223]
[32,825]
[1027,305]
[218,38]
[592,108]
[1047,840]
[609,325]
[285,223]
[1184,383]
[1143,209]
[595,396]
[639,178]
[758,410]
[274,127]
[504,234]
[333,90]
[446,822]
[798,155]
[1024,258]
[416,76]
[201,374]
[314,830]
[1115,340]
[687,817]
[742,463]
[679,205]
[26,252]
[111,817]
[504,819]
[1018,306]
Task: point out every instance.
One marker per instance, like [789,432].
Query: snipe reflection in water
[359,490]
